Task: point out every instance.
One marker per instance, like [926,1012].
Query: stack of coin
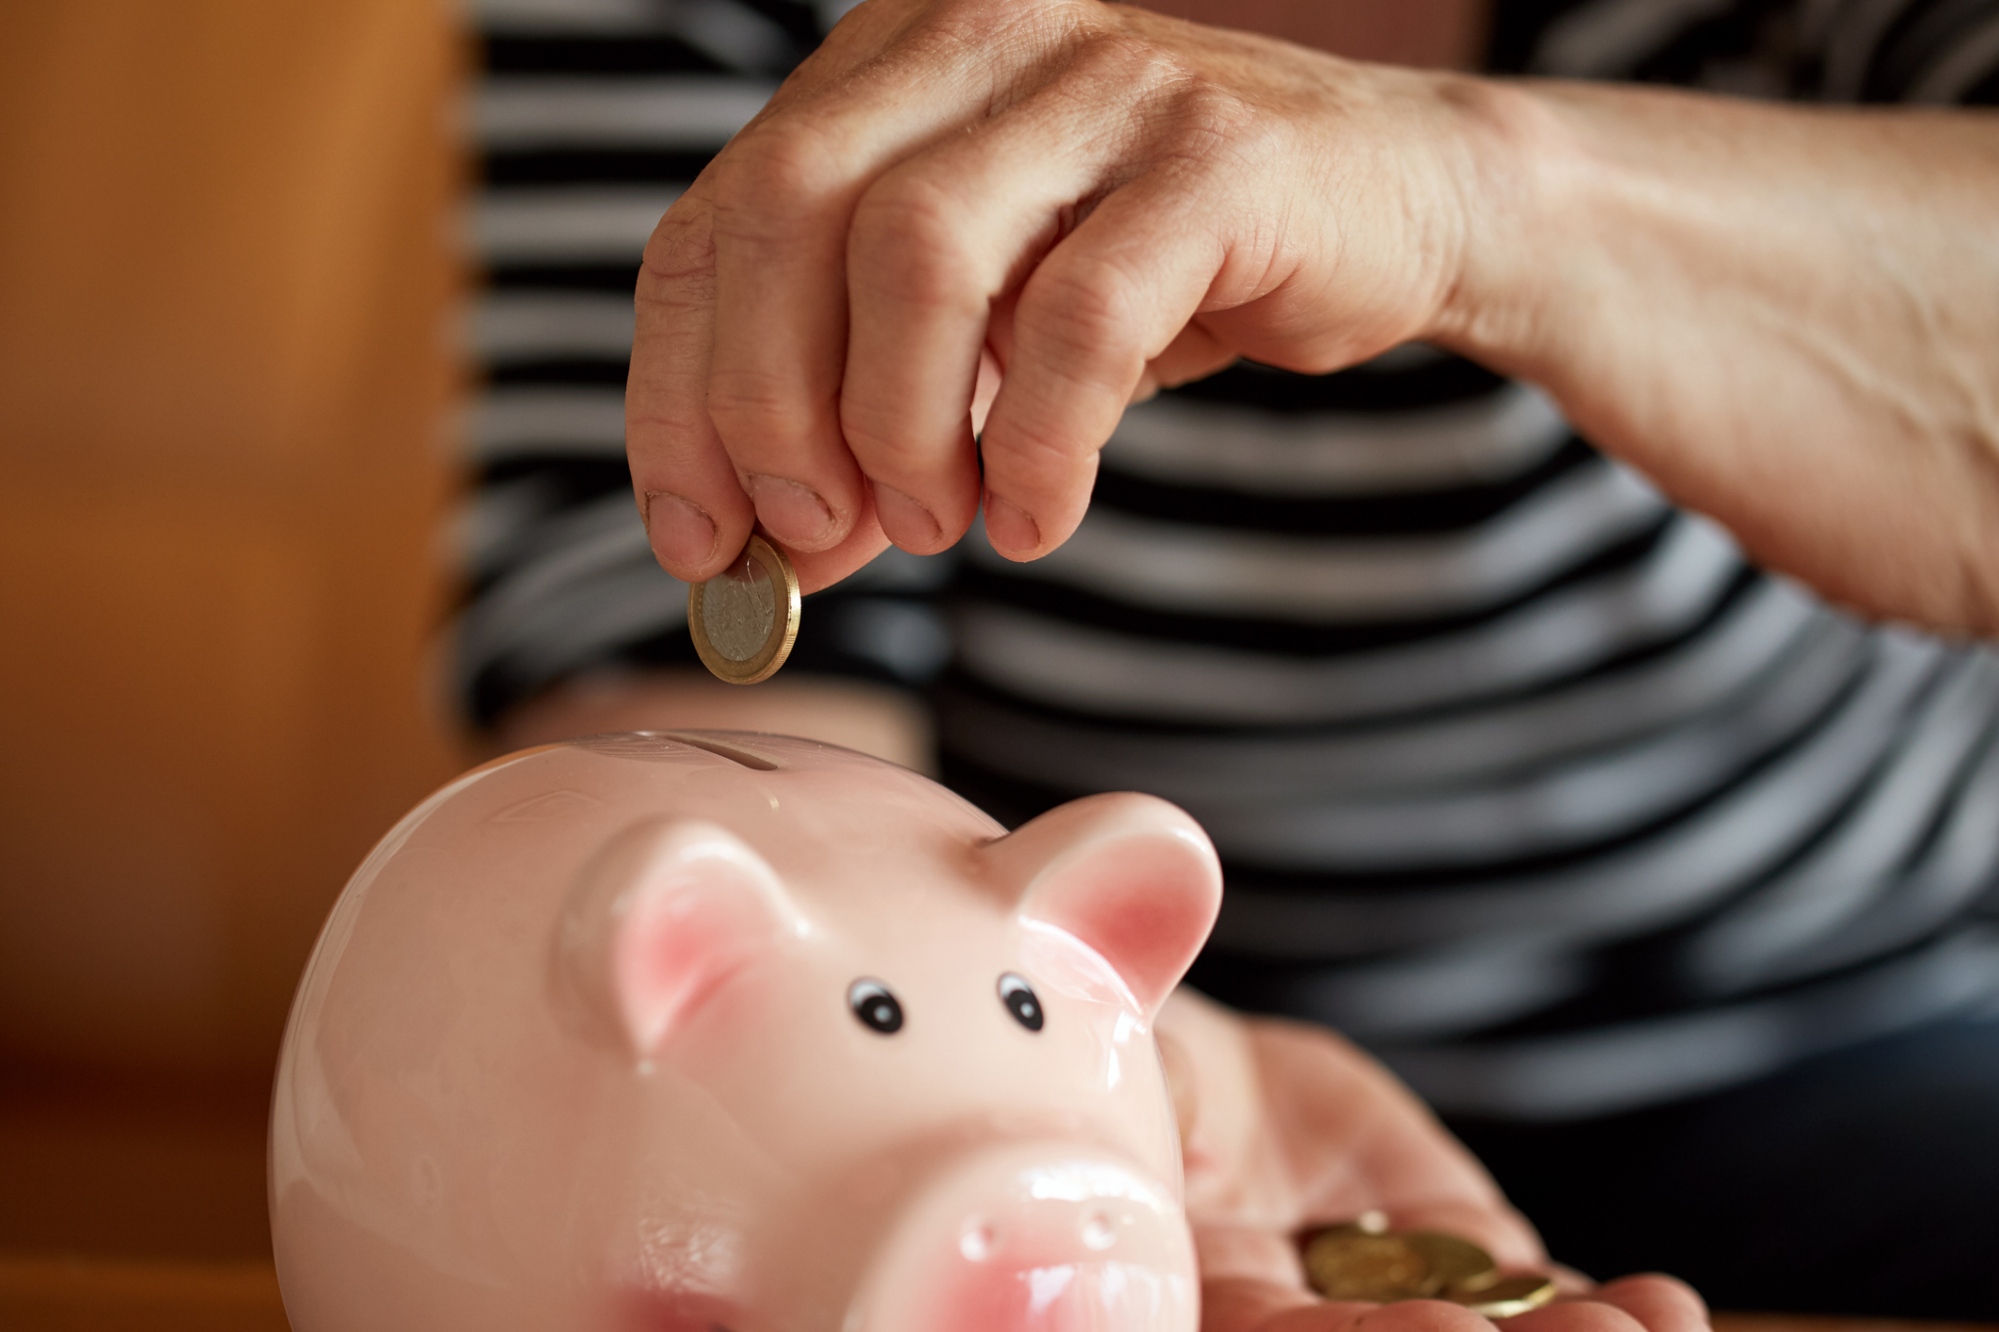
[1365,1260]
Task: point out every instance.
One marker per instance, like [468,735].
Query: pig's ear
[660,918]
[1129,876]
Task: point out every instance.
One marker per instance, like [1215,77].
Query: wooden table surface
[73,1294]
[96,1169]
[70,1294]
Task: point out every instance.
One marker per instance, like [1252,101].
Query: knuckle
[1185,110]
[1115,58]
[1080,312]
[891,453]
[1036,459]
[772,167]
[1211,135]
[975,28]
[1142,63]
[753,405]
[660,421]
[1208,117]
[679,259]
[907,245]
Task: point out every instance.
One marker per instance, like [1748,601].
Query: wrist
[1512,159]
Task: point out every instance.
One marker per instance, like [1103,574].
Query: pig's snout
[1034,1239]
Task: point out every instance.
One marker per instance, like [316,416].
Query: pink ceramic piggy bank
[740,1032]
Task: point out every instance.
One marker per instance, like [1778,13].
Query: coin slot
[722,749]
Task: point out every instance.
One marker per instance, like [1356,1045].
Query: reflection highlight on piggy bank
[718,1030]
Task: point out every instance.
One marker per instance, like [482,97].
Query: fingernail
[906,522]
[680,533]
[1010,529]
[792,512]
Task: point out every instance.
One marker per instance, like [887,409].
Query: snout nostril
[977,1240]
[1098,1232]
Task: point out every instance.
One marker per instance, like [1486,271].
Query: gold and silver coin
[745,619]
[1461,1267]
[1509,1296]
[1352,1263]
[1364,1260]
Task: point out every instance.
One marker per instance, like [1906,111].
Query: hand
[1058,202]
[1781,315]
[1285,1126]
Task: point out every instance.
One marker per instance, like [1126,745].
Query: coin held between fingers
[745,619]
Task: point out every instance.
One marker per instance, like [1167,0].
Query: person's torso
[1522,777]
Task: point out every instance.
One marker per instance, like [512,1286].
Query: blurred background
[226,273]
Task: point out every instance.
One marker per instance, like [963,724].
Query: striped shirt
[1522,777]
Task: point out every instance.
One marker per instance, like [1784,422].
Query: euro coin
[1461,1267]
[745,619]
[1509,1296]
[1349,1263]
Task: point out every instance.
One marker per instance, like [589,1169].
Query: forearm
[1788,318]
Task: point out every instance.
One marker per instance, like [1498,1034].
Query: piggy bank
[725,1031]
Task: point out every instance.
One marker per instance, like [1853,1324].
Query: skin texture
[1285,1126]
[1813,366]
[1054,206]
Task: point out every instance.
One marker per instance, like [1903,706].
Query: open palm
[1286,1126]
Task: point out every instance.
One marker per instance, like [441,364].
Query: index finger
[1099,307]
[785,193]
[697,517]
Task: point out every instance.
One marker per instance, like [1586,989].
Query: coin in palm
[1461,1267]
[1509,1297]
[1350,1263]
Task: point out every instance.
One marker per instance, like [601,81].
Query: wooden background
[226,380]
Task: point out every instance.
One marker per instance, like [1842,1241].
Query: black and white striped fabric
[1522,777]
[591,116]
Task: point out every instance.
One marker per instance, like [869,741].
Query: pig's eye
[875,1006]
[1020,1000]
